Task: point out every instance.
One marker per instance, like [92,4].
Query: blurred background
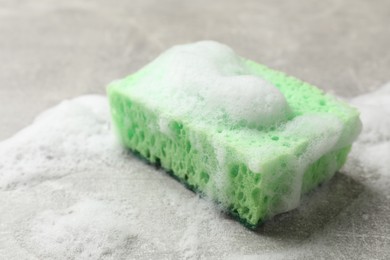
[51,50]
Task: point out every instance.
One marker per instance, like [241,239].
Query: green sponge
[249,137]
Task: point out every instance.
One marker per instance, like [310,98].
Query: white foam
[90,229]
[372,149]
[208,79]
[45,151]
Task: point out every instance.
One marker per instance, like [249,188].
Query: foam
[207,79]
[372,149]
[89,229]
[44,150]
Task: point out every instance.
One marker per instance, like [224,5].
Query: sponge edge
[248,137]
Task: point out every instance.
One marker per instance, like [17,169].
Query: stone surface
[51,50]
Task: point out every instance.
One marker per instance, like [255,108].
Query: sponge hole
[141,136]
[130,133]
[257,178]
[256,194]
[234,171]
[204,176]
[175,127]
[188,147]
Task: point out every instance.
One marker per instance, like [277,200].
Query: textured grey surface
[51,50]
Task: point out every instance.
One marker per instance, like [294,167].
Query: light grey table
[52,50]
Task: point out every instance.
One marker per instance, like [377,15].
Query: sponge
[248,137]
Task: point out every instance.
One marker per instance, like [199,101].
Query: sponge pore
[249,137]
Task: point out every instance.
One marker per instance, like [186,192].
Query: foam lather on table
[249,137]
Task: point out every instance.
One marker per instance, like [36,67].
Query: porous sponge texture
[253,171]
